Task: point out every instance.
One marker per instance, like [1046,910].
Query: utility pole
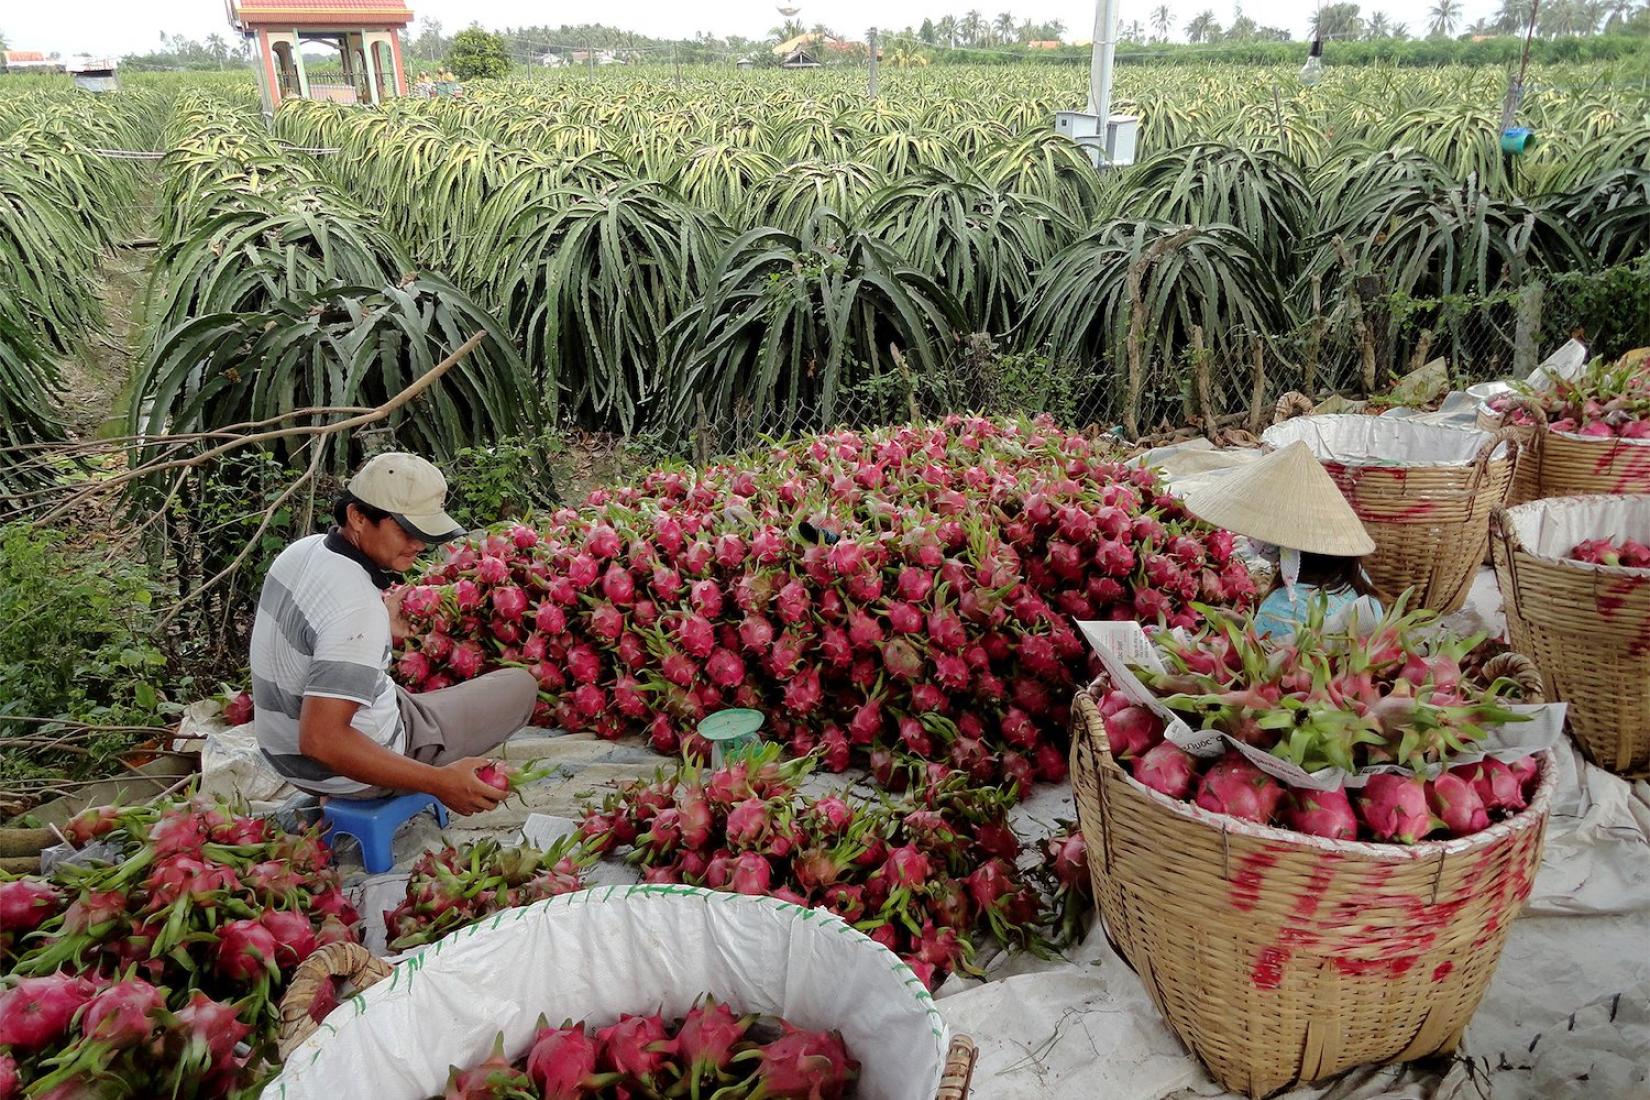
[1100,61]
[872,36]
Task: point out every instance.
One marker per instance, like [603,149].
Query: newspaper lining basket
[1561,464]
[1587,626]
[1429,515]
[1280,958]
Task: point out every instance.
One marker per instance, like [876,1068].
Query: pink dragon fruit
[1321,813]
[35,1013]
[1166,767]
[1236,787]
[1498,788]
[25,903]
[637,1046]
[1393,807]
[1456,803]
[562,1062]
[246,951]
[122,1015]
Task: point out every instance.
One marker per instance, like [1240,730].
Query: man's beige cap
[1285,498]
[411,490]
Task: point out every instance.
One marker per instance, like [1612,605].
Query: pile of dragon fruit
[920,875]
[1607,401]
[1626,554]
[1326,699]
[158,974]
[451,887]
[711,1051]
[911,588]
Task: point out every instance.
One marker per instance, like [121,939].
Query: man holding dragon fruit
[328,717]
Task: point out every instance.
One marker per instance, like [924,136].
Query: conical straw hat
[1285,498]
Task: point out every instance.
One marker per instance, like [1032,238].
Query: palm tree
[1512,16]
[1378,26]
[1005,27]
[973,28]
[1340,21]
[947,29]
[1203,28]
[1445,14]
[1160,22]
[1056,28]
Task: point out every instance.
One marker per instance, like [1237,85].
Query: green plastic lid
[731,724]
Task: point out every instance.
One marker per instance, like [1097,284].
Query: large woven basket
[1586,626]
[1280,958]
[1423,491]
[1561,464]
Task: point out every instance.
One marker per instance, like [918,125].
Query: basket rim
[1502,452]
[1528,818]
[1543,429]
[1573,500]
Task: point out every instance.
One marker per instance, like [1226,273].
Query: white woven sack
[1354,440]
[595,954]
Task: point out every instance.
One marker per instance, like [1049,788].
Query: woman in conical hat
[1288,501]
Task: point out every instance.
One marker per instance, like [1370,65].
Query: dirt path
[95,380]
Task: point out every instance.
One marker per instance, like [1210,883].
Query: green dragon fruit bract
[934,623]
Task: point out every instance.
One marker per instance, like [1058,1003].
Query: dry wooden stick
[381,412]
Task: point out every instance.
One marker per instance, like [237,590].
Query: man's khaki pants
[468,719]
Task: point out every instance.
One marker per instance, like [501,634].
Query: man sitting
[328,717]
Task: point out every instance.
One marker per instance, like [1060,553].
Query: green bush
[78,641]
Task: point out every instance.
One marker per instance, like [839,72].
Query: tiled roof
[389,12]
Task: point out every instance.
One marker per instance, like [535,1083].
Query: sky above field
[134,26]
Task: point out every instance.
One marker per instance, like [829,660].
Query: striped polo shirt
[322,629]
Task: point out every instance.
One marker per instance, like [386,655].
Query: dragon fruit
[122,1015]
[561,1062]
[247,951]
[25,903]
[1497,787]
[1321,813]
[493,1079]
[1394,807]
[1456,803]
[1166,767]
[637,1046]
[1236,787]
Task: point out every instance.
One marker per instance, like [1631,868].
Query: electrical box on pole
[1108,139]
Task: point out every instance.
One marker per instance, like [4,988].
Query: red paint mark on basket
[1323,873]
[1415,512]
[1268,971]
[1356,968]
[1441,971]
[1491,926]
[1403,964]
[1246,883]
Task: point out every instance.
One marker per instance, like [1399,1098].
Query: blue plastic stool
[373,822]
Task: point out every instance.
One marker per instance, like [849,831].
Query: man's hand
[461,792]
[400,628]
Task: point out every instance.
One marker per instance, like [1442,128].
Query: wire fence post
[1314,346]
[1527,330]
[871,37]
[1202,386]
[1257,389]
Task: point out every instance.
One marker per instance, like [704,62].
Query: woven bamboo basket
[1280,958]
[1429,515]
[359,969]
[1562,464]
[1587,626]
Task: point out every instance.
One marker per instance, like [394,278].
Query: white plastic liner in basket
[595,954]
[1355,440]
[1551,528]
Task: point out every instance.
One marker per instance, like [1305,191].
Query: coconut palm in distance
[1445,15]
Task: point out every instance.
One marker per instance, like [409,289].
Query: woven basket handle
[1290,405]
[1501,526]
[1481,460]
[1529,405]
[350,961]
[959,1069]
[1521,670]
